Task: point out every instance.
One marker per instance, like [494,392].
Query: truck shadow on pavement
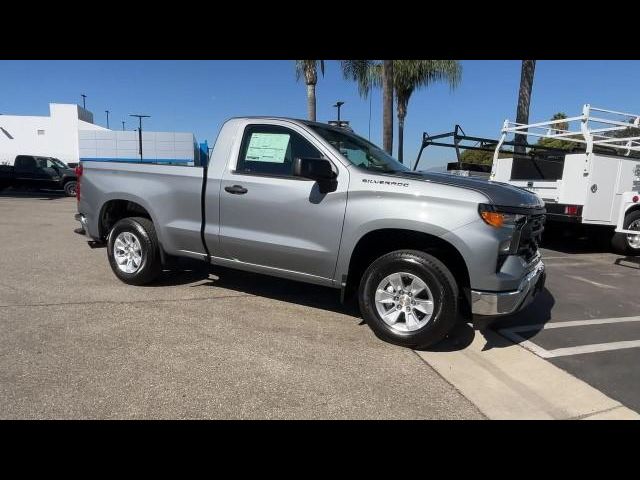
[185,271]
[629,262]
[36,194]
[536,314]
[572,241]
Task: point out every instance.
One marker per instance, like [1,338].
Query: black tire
[435,275]
[70,188]
[620,242]
[150,266]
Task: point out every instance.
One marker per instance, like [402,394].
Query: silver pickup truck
[319,204]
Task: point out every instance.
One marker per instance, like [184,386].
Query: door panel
[271,219]
[282,223]
[601,191]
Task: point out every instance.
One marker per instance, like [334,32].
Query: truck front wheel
[133,251]
[409,298]
[628,244]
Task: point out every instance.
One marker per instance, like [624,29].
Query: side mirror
[318,169]
[313,168]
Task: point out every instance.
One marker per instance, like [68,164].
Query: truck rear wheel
[624,244]
[409,298]
[70,188]
[133,251]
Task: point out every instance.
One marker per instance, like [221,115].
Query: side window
[41,162]
[270,150]
[25,163]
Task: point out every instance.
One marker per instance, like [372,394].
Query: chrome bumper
[504,303]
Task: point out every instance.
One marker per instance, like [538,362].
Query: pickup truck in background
[315,203]
[39,173]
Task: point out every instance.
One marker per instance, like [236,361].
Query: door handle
[236,189]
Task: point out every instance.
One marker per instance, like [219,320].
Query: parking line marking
[573,323]
[596,347]
[492,378]
[567,264]
[586,280]
[512,333]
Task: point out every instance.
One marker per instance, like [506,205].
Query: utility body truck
[587,172]
[596,184]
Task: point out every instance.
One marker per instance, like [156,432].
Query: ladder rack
[596,128]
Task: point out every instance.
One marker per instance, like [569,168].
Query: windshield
[58,163]
[358,151]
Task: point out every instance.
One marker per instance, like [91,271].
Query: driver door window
[270,150]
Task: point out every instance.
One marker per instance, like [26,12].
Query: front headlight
[494,217]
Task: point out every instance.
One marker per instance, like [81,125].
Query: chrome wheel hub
[127,252]
[634,240]
[404,302]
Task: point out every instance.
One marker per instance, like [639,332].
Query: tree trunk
[387,106]
[400,137]
[524,101]
[311,102]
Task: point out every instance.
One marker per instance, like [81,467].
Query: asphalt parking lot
[77,343]
[587,322]
[215,343]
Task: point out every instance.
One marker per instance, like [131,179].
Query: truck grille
[530,236]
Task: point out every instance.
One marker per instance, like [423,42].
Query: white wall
[157,147]
[59,137]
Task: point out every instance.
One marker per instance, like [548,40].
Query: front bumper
[504,303]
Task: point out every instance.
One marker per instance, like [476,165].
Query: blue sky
[197,96]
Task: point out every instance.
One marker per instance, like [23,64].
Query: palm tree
[408,75]
[309,69]
[560,126]
[524,101]
[360,72]
[370,73]
[388,69]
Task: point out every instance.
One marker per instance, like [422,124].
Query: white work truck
[597,184]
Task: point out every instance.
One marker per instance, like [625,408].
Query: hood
[498,193]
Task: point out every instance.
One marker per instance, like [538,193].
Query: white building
[55,135]
[69,134]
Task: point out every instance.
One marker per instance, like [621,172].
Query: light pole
[338,105]
[140,117]
[107,112]
[84,103]
[123,125]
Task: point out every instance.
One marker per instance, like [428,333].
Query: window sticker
[267,147]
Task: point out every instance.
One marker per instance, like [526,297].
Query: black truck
[39,173]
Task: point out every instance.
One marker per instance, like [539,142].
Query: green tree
[370,73]
[558,128]
[408,76]
[561,126]
[626,133]
[482,157]
[309,70]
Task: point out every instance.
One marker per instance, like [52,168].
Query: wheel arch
[376,243]
[116,209]
[633,208]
